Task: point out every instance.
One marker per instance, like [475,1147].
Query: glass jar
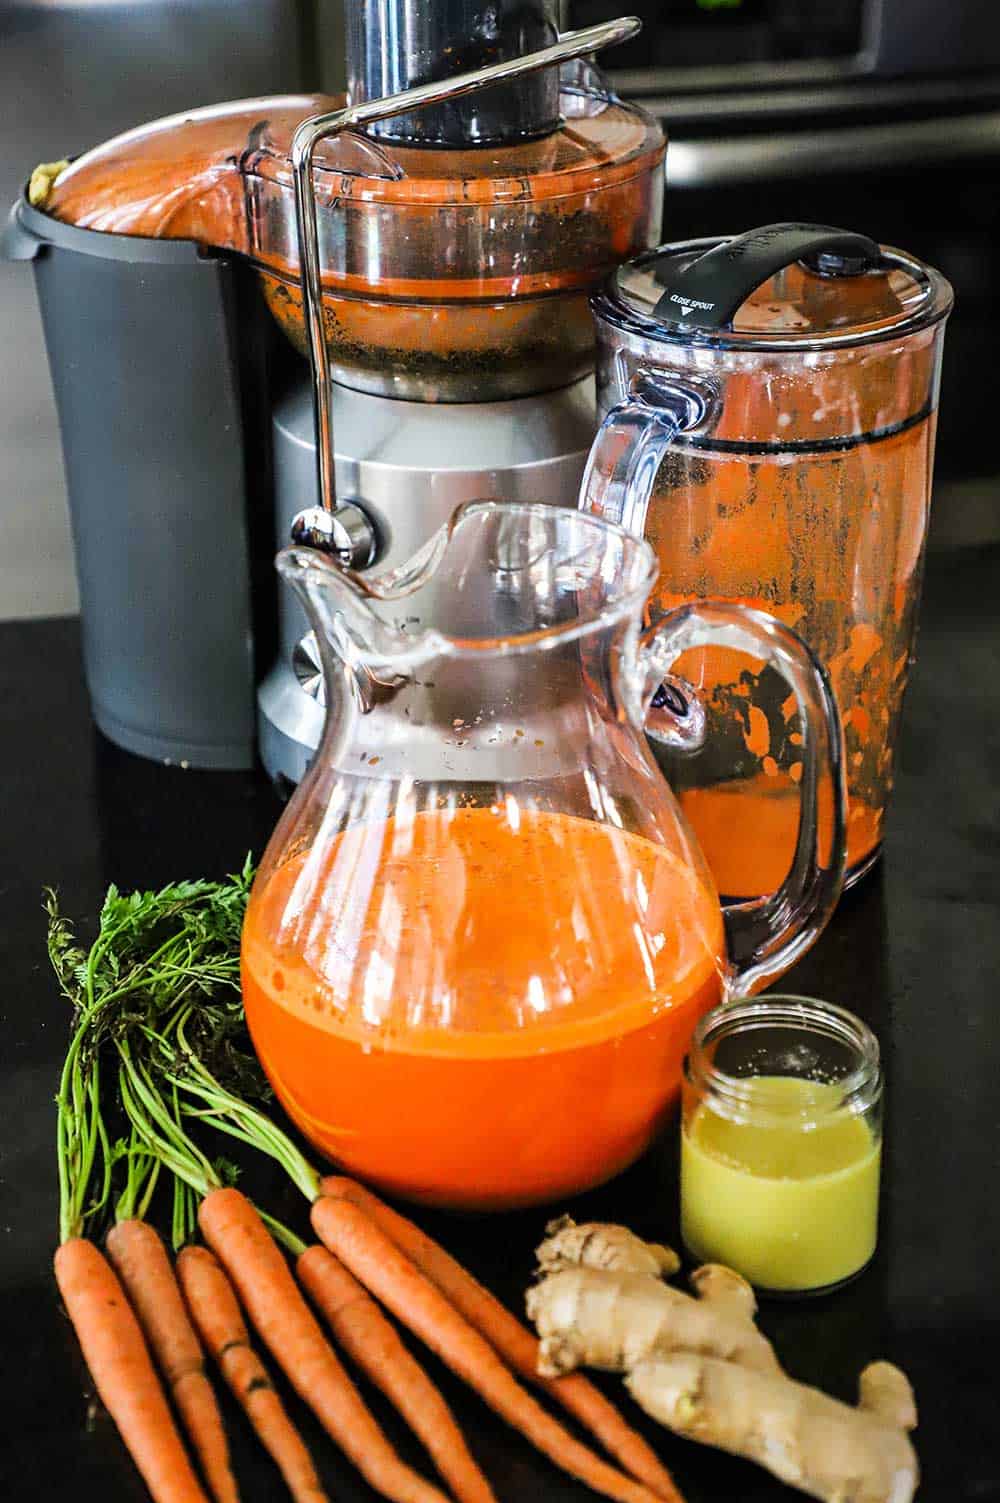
[781,1141]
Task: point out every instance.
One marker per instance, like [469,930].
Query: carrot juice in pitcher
[489,921]
[482,932]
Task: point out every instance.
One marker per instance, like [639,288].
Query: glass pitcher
[482,932]
[770,408]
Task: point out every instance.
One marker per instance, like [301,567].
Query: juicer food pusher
[455,282]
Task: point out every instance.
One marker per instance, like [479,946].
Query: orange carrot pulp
[747,830]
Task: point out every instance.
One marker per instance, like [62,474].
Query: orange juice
[789,1196]
[747,829]
[499,1018]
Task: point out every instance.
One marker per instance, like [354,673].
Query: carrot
[371,1340]
[388,1274]
[143,1266]
[269,1294]
[123,1372]
[512,1341]
[216,1312]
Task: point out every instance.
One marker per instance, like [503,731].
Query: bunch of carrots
[158,1039]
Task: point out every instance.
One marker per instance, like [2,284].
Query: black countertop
[915,950]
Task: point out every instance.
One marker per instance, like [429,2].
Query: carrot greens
[153,951]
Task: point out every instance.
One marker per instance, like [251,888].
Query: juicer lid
[783,286]
[602,141]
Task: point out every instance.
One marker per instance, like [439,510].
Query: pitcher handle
[767,935]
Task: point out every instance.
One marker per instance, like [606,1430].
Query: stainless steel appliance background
[73,74]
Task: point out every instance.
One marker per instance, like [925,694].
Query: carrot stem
[141,1174]
[80,1133]
[184,1214]
[238,1118]
[161,1133]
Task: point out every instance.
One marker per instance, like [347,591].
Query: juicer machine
[429,247]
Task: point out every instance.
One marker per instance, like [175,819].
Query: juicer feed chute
[407,43]
[304,144]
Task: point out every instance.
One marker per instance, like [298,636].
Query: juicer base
[289,726]
[173,751]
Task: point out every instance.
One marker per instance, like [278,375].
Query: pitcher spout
[343,611]
[498,579]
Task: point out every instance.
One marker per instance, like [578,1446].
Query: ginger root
[598,1244]
[824,1447]
[700,1366]
[595,1317]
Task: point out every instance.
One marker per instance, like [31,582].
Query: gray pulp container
[158,354]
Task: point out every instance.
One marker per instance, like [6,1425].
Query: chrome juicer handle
[351,538]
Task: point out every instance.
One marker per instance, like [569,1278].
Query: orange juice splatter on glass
[831,543]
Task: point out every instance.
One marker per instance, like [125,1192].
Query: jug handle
[625,456]
[767,935]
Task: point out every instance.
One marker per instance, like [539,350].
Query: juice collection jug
[482,932]
[770,406]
